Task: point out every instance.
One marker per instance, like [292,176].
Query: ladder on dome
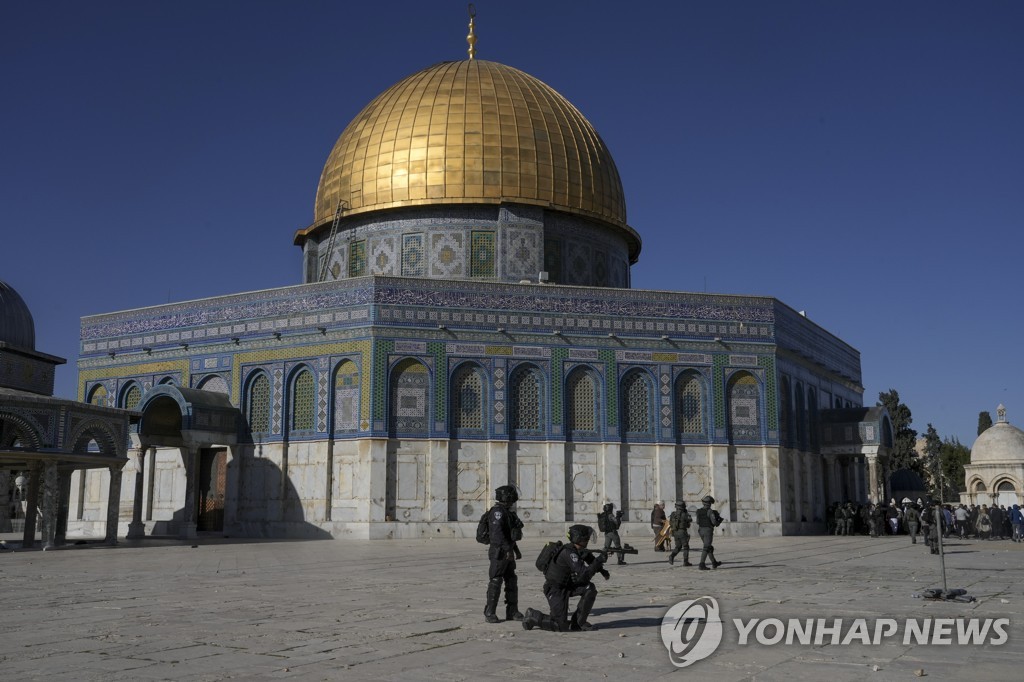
[330,240]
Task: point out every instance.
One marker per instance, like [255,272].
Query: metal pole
[942,554]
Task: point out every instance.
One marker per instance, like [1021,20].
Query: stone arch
[214,383]
[691,401]
[98,395]
[96,430]
[167,381]
[301,400]
[746,421]
[16,428]
[256,403]
[582,404]
[468,400]
[346,397]
[409,401]
[637,414]
[130,395]
[526,401]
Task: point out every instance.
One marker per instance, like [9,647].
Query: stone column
[872,478]
[28,538]
[137,529]
[187,529]
[63,501]
[51,495]
[5,501]
[113,505]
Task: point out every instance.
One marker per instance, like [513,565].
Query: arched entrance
[203,427]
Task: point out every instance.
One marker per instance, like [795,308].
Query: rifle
[625,549]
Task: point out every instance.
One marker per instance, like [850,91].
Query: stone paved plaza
[412,610]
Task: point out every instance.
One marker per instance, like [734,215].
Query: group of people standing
[676,528]
[983,522]
[569,568]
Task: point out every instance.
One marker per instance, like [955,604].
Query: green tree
[953,458]
[933,461]
[902,455]
[984,421]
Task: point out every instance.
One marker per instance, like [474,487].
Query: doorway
[212,484]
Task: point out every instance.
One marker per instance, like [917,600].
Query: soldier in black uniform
[707,520]
[913,518]
[569,575]
[679,523]
[506,530]
[611,524]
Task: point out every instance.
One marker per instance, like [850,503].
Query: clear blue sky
[862,161]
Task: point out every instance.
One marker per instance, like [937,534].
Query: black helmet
[506,495]
[707,499]
[608,506]
[579,534]
[680,505]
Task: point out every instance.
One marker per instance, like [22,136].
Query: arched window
[303,402]
[346,397]
[257,404]
[744,408]
[1005,487]
[214,384]
[581,404]
[525,406]
[98,395]
[635,404]
[467,401]
[689,404]
[168,381]
[131,397]
[408,402]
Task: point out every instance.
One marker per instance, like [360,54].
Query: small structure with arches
[996,471]
[44,439]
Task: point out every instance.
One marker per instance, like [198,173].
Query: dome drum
[508,243]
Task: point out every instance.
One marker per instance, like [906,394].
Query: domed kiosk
[464,321]
[43,439]
[996,471]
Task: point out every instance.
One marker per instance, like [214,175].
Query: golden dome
[472,132]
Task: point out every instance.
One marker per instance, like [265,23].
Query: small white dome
[1001,442]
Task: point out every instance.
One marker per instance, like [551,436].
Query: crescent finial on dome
[471,38]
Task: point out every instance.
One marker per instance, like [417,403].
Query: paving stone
[413,610]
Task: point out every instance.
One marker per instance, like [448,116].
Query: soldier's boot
[686,558]
[703,560]
[493,592]
[512,606]
[531,619]
[672,557]
[579,618]
[536,619]
[714,563]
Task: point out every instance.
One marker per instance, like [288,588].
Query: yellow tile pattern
[87,375]
[267,355]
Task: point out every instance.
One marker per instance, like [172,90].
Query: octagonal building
[465,320]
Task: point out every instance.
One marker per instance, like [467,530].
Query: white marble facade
[407,488]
